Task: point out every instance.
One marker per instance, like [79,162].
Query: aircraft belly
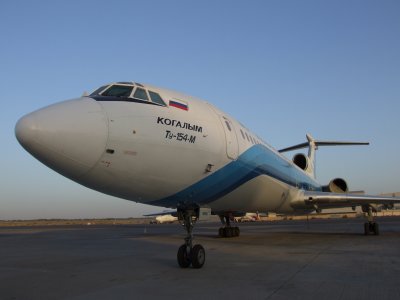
[154,181]
[262,194]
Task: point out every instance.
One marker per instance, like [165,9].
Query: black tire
[228,232]
[183,257]
[366,228]
[221,232]
[376,229]
[237,231]
[198,256]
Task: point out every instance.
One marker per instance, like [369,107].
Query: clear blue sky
[283,68]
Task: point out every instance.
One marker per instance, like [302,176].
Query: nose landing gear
[187,253]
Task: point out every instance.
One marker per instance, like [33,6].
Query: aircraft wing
[331,200]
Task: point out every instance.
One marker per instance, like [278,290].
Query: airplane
[160,147]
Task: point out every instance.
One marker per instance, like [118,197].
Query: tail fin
[313,145]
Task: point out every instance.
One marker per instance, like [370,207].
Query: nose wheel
[195,256]
[187,253]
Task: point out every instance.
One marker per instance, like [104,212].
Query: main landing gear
[187,253]
[370,227]
[228,230]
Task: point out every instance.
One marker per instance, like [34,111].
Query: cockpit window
[99,90]
[156,98]
[127,92]
[118,91]
[141,94]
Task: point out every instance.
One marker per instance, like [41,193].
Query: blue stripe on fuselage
[256,161]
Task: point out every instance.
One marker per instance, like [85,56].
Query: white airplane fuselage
[163,155]
[162,148]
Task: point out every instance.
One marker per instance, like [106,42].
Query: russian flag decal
[179,104]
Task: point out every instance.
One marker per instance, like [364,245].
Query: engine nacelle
[337,185]
[301,161]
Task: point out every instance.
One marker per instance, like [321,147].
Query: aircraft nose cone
[24,130]
[68,137]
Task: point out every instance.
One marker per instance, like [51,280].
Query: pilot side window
[141,94]
[156,98]
[99,90]
[118,91]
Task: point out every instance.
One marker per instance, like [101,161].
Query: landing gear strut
[187,253]
[370,227]
[227,230]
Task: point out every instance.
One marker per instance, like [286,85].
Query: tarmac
[318,259]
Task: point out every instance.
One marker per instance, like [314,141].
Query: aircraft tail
[313,145]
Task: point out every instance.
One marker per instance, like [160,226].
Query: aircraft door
[232,147]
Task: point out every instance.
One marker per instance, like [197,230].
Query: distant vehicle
[158,147]
[248,217]
[164,219]
[245,219]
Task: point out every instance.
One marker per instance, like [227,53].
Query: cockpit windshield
[140,94]
[118,91]
[126,91]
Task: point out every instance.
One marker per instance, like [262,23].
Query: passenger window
[241,131]
[227,125]
[247,136]
[156,98]
[118,91]
[141,94]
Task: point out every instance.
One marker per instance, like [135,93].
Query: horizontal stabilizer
[322,143]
